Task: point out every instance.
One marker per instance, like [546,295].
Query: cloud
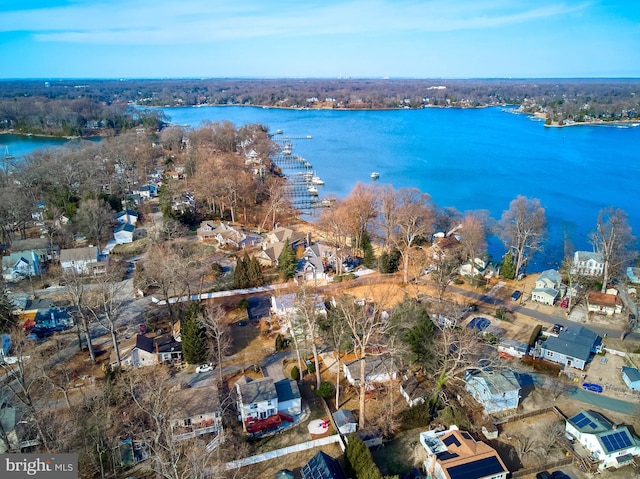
[159,22]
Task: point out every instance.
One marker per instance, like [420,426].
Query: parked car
[559,475]
[564,303]
[543,475]
[596,388]
[516,295]
[557,328]
[203,368]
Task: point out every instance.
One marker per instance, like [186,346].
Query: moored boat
[375,175]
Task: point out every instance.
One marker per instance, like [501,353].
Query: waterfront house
[631,377]
[588,263]
[612,444]
[573,346]
[378,369]
[547,288]
[608,303]
[82,261]
[495,390]
[455,454]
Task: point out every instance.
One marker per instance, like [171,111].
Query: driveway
[272,364]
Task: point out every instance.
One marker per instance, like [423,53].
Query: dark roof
[472,470]
[145,343]
[575,341]
[126,212]
[413,388]
[632,374]
[125,227]
[262,389]
[322,466]
[164,344]
[616,440]
[287,389]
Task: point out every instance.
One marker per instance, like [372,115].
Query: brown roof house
[455,454]
[608,303]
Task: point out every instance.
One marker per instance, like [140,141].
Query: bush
[325,390]
[295,373]
[311,367]
[281,343]
[243,304]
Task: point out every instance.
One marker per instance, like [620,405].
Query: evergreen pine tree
[508,269]
[7,318]
[287,262]
[241,274]
[369,259]
[194,340]
[255,272]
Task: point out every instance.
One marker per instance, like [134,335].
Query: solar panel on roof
[580,420]
[616,441]
[466,435]
[482,468]
[451,440]
[446,455]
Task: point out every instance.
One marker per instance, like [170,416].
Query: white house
[345,422]
[257,399]
[124,233]
[588,263]
[80,260]
[455,454]
[608,303]
[286,309]
[412,391]
[127,217]
[289,398]
[612,444]
[495,390]
[149,351]
[513,348]
[547,287]
[377,369]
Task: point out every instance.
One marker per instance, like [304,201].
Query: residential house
[310,269]
[455,454]
[477,268]
[444,245]
[289,398]
[83,261]
[197,410]
[608,303]
[282,234]
[124,233]
[45,250]
[226,235]
[547,287]
[588,263]
[149,351]
[126,217]
[269,254]
[413,392]
[631,377]
[147,191]
[323,251]
[377,369]
[612,444]
[17,430]
[514,348]
[286,309]
[495,390]
[20,265]
[257,399]
[573,347]
[345,422]
[322,466]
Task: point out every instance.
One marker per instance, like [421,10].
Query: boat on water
[313,190]
[375,175]
[316,180]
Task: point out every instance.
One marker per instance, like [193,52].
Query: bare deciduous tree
[217,329]
[522,229]
[612,238]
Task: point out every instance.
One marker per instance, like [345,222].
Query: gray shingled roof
[258,390]
[575,341]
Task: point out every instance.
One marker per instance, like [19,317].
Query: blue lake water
[472,159]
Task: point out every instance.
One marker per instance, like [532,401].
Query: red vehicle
[564,303]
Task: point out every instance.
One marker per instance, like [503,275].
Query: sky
[319,39]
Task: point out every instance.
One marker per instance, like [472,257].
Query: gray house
[572,347]
[495,390]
